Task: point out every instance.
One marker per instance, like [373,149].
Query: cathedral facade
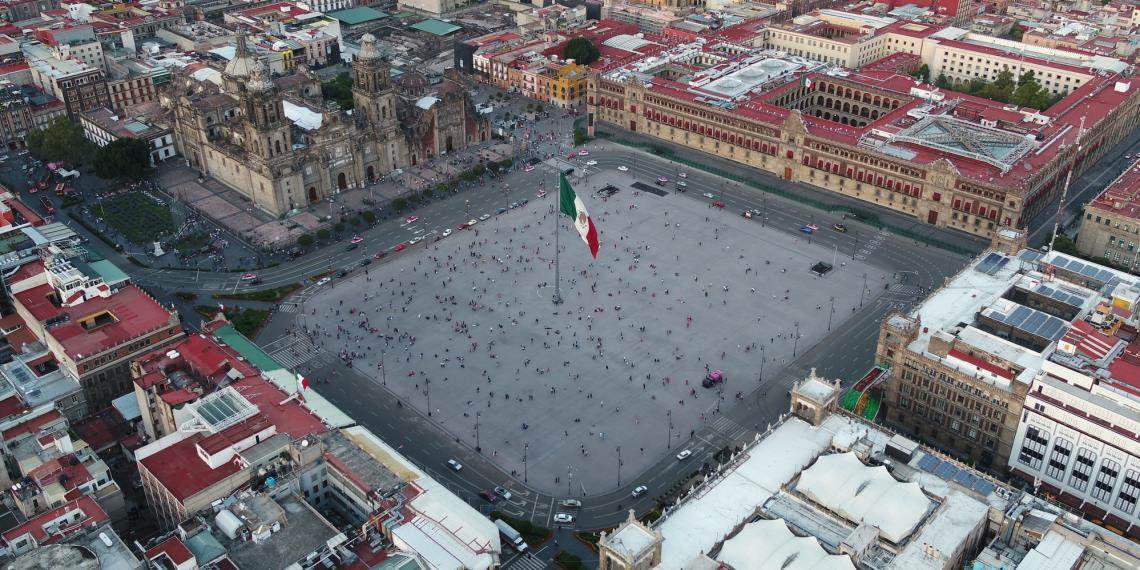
[276,143]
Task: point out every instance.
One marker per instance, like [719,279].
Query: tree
[61,141]
[305,240]
[323,233]
[1030,94]
[123,159]
[338,89]
[582,51]
[923,73]
[1016,33]
[942,82]
[1026,78]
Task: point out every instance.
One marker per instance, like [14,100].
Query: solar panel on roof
[988,261]
[984,487]
[928,463]
[1000,264]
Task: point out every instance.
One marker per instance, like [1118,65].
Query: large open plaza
[679,288]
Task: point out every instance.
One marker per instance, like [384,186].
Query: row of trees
[1025,91]
[62,141]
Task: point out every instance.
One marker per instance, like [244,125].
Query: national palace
[828,99]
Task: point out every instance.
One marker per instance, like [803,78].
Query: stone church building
[277,143]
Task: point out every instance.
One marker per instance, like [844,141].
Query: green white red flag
[570,204]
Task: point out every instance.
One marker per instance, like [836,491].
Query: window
[1082,469]
[1059,460]
[1129,491]
[1105,480]
[1033,447]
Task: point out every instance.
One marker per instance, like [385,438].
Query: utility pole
[526,445]
[569,478]
[478,448]
[796,340]
[427,392]
[856,246]
[669,437]
[762,359]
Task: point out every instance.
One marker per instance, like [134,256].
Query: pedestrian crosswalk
[297,351]
[527,562]
[905,289]
[728,428]
[288,308]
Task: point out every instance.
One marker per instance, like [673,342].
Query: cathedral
[276,142]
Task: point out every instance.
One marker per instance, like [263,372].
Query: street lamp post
[796,340]
[762,359]
[863,291]
[467,207]
[478,448]
[526,445]
[427,392]
[831,314]
[669,436]
[856,246]
[619,466]
[569,478]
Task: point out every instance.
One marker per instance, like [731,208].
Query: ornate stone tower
[238,69]
[372,92]
[268,132]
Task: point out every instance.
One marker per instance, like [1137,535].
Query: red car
[400,247]
[462,226]
[488,496]
[379,254]
[718,204]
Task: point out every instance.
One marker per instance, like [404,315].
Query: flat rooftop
[302,532]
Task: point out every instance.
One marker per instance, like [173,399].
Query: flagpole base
[557,299]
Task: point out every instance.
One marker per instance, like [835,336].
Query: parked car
[400,247]
[446,232]
[484,217]
[454,465]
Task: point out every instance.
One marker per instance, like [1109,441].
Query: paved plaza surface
[678,288]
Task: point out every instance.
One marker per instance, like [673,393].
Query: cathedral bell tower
[372,93]
[268,131]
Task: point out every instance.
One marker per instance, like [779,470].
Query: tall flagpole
[557,222]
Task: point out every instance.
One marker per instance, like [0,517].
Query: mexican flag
[570,204]
[304,382]
[805,81]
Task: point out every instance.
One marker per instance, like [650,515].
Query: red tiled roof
[31,425]
[1122,196]
[290,417]
[173,548]
[1088,340]
[982,364]
[11,406]
[181,470]
[136,314]
[95,516]
[54,470]
[178,397]
[97,432]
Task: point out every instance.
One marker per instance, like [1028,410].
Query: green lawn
[135,215]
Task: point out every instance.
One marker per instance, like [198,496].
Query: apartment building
[93,324]
[103,126]
[1111,225]
[1026,362]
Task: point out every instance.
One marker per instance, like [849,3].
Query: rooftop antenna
[1065,188]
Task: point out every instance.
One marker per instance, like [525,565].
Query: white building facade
[1078,440]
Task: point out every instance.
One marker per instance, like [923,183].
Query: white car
[591,163]
[472,222]
[502,492]
[484,217]
[446,232]
[683,174]
[571,503]
[623,168]
[454,465]
[324,281]
[415,240]
[583,152]
[707,195]
[639,491]
[564,518]
[684,454]
[528,168]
